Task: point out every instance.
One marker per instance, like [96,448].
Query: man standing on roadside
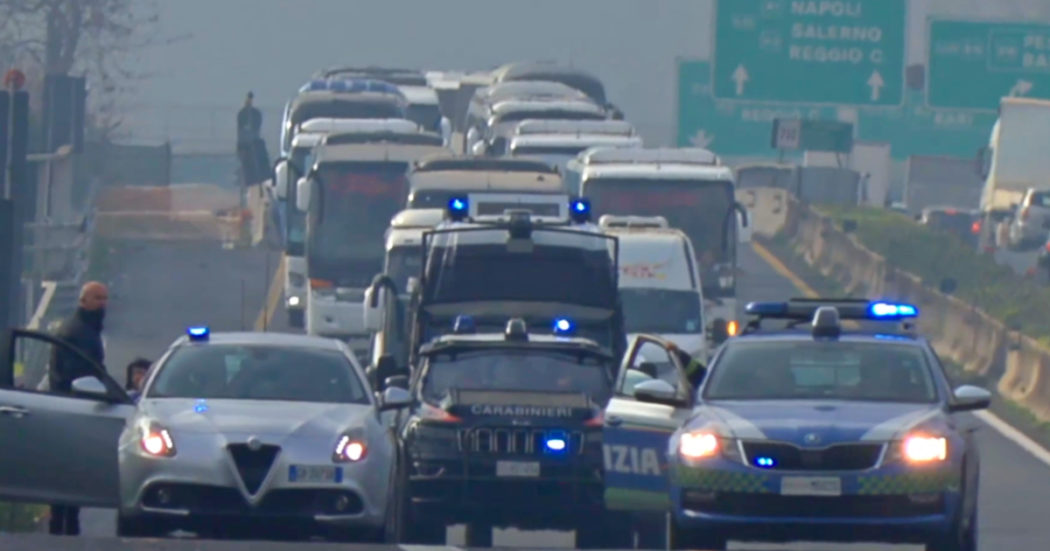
[84,331]
[249,127]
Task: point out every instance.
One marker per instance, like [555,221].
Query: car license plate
[810,486]
[311,474]
[529,469]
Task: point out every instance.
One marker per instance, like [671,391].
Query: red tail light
[975,227]
[596,421]
[1047,247]
[320,284]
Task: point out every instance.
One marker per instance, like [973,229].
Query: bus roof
[373,152]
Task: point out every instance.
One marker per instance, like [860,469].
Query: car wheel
[679,538]
[296,318]
[139,527]
[609,531]
[413,528]
[479,535]
[960,538]
[651,532]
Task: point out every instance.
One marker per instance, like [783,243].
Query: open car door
[636,433]
[57,448]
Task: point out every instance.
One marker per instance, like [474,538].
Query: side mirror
[397,381]
[719,331]
[373,309]
[90,386]
[948,285]
[387,367]
[446,130]
[478,149]
[981,162]
[743,227]
[280,179]
[395,398]
[657,392]
[302,194]
[918,218]
[970,398]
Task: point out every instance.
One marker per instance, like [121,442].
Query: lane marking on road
[273,298]
[992,420]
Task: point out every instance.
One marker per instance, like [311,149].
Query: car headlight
[350,448]
[918,448]
[156,440]
[698,445]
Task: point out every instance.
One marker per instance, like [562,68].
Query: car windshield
[258,372]
[809,370]
[517,370]
[548,114]
[661,311]
[426,115]
[1041,199]
[404,262]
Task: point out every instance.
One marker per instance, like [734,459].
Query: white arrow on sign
[740,77]
[876,83]
[1021,88]
[702,139]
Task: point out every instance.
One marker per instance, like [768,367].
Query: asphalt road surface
[162,288]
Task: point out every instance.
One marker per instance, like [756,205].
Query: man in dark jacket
[84,331]
[250,147]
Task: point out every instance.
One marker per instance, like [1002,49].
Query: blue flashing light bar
[849,309]
[564,326]
[198,333]
[458,208]
[892,310]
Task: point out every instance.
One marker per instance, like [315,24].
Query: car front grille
[253,465]
[517,441]
[839,457]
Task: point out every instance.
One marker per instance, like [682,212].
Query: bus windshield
[697,207]
[349,217]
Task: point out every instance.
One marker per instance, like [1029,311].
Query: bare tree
[95,38]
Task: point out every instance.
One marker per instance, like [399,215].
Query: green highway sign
[730,128]
[849,52]
[742,128]
[974,64]
[812,135]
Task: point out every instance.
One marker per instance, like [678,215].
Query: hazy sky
[272,46]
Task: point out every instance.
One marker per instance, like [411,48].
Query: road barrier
[179,212]
[966,335]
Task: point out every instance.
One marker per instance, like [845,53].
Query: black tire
[678,538]
[140,527]
[962,538]
[297,318]
[609,531]
[478,535]
[413,528]
[651,532]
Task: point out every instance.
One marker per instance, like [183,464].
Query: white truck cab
[659,283]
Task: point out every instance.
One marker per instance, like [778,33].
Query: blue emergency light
[464,325]
[580,210]
[564,326]
[892,310]
[198,333]
[458,208]
[765,462]
[556,442]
